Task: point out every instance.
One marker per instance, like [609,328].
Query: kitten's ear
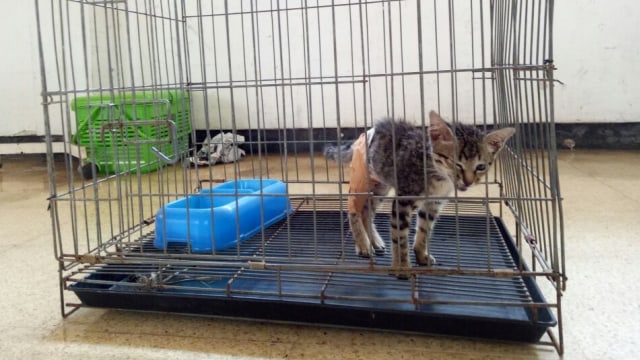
[496,139]
[444,150]
[439,130]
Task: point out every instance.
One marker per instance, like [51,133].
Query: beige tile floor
[601,310]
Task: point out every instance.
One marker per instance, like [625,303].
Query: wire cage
[289,77]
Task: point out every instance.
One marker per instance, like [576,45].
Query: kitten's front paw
[425,259]
[401,268]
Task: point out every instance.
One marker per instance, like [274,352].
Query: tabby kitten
[399,156]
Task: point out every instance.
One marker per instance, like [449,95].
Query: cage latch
[173,137]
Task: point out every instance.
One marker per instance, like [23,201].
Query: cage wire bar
[290,76]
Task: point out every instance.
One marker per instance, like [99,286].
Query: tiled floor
[600,307]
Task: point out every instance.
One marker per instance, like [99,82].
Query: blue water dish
[220,217]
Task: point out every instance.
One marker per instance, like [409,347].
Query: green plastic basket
[123,134]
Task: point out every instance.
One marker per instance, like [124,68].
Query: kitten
[399,156]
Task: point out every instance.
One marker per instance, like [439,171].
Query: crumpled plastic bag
[221,148]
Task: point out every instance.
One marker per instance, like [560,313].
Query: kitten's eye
[460,167]
[481,167]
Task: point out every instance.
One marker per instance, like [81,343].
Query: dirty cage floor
[367,300]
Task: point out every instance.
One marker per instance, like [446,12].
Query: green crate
[121,132]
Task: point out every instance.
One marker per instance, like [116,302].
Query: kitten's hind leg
[360,186]
[359,233]
[376,240]
[361,221]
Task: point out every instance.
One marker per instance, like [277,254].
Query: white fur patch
[370,134]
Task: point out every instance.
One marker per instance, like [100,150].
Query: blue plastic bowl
[220,217]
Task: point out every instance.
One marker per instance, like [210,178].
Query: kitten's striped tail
[342,153]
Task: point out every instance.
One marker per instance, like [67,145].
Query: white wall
[20,109]
[283,45]
[596,52]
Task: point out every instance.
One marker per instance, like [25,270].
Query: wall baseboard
[612,136]
[29,144]
[617,136]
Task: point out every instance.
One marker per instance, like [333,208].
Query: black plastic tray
[361,300]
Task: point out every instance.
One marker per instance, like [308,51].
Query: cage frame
[546,253]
